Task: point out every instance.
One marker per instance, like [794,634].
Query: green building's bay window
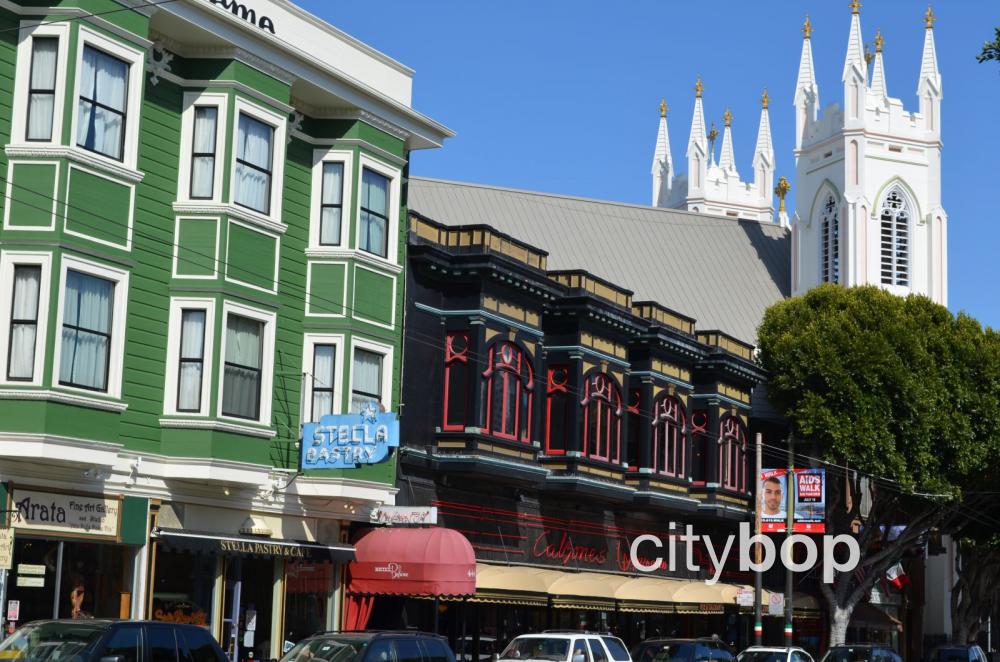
[331,204]
[373,231]
[323,378]
[101,113]
[86,331]
[24,323]
[241,388]
[191,361]
[42,88]
[366,379]
[254,147]
[203,152]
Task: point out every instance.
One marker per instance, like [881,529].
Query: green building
[202,249]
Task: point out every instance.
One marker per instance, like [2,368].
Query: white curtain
[241,384]
[24,322]
[192,360]
[86,331]
[374,198]
[367,378]
[323,366]
[253,146]
[102,80]
[203,148]
[333,191]
[44,51]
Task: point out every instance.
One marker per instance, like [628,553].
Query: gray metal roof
[721,271]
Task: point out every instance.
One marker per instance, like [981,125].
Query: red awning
[428,561]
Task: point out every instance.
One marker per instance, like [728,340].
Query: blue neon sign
[345,441]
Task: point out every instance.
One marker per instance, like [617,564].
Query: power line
[68,19]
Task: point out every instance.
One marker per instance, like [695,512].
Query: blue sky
[561,96]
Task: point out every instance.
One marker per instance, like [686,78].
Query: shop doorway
[246,624]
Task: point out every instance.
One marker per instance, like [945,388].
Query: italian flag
[897,576]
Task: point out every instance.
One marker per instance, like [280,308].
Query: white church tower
[868,177]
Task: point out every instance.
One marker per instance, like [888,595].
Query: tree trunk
[839,620]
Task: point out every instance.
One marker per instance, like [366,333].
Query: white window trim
[22,79]
[221,103]
[277,122]
[343,300]
[395,176]
[308,355]
[136,78]
[8,260]
[10,192]
[320,156]
[177,307]
[176,247]
[386,352]
[266,362]
[116,351]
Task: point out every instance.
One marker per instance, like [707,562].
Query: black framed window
[373,232]
[366,379]
[323,374]
[254,161]
[242,373]
[101,112]
[42,88]
[203,152]
[23,323]
[331,203]
[85,353]
[191,360]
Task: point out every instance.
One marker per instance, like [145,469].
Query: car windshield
[762,656]
[51,642]
[326,649]
[951,655]
[849,654]
[536,648]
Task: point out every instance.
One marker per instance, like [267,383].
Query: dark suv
[861,653]
[100,640]
[682,650]
[390,646]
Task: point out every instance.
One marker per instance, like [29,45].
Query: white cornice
[58,448]
[77,155]
[63,398]
[351,114]
[234,211]
[223,53]
[359,255]
[205,424]
[351,142]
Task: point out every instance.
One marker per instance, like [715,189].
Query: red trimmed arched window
[669,437]
[457,378]
[508,382]
[558,412]
[732,454]
[699,447]
[602,418]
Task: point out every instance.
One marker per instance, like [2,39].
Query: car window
[200,645]
[407,650]
[616,648]
[435,650]
[701,653]
[125,642]
[542,648]
[801,656]
[379,650]
[721,653]
[597,651]
[162,645]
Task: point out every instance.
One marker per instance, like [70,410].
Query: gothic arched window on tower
[602,418]
[830,227]
[508,383]
[669,437]
[895,239]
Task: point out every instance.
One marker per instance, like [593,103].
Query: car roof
[370,634]
[773,649]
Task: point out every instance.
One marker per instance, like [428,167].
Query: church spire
[879,88]
[855,60]
[763,157]
[928,63]
[663,166]
[727,160]
[929,88]
[806,90]
[697,149]
[697,120]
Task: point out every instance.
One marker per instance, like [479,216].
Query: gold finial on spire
[869,56]
[712,135]
[855,6]
[879,40]
[698,88]
[807,28]
[765,100]
[727,117]
[781,190]
[929,18]
[663,107]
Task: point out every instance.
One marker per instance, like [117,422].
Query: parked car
[464,651]
[566,646]
[861,653]
[672,649]
[383,646]
[774,654]
[958,653]
[102,640]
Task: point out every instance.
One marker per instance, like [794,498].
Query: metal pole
[758,625]
[58,581]
[3,601]
[789,523]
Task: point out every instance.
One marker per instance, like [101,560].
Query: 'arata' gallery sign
[65,513]
[345,441]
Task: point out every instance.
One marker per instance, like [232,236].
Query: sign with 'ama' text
[346,441]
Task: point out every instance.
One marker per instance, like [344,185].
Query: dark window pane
[407,650]
[200,645]
[162,647]
[125,642]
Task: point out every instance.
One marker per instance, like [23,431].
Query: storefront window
[308,585]
[182,590]
[247,616]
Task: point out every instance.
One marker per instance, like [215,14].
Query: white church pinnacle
[855,60]
[879,88]
[764,146]
[663,166]
[697,122]
[807,73]
[928,63]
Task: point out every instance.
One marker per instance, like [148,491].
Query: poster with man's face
[809,499]
[773,500]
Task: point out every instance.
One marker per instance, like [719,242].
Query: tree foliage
[991,49]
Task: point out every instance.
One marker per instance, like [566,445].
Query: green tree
[991,49]
[902,392]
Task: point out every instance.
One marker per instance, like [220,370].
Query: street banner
[6,547]
[809,492]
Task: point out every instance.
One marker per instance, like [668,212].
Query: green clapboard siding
[133,520]
[250,256]
[31,194]
[98,207]
[196,249]
[326,288]
[373,299]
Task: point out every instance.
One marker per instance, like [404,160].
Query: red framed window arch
[508,392]
[602,418]
[732,454]
[669,438]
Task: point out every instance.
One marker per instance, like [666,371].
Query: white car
[566,646]
[774,654]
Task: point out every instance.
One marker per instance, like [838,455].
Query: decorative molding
[224,52]
[160,66]
[76,155]
[295,126]
[351,142]
[233,211]
[206,424]
[63,398]
[334,113]
[358,255]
